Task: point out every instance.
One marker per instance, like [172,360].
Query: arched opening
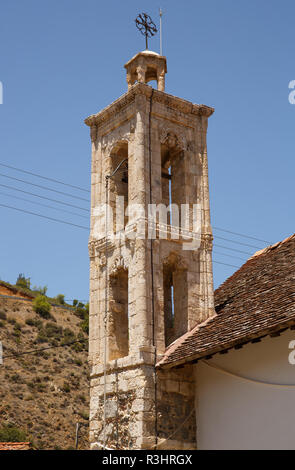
[118,318]
[153,83]
[175,290]
[172,174]
[118,197]
[151,76]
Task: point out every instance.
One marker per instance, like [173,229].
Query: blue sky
[63,60]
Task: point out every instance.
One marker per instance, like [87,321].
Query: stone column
[161,80]
[141,70]
[129,81]
[207,237]
[139,311]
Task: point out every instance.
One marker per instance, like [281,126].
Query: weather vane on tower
[146,26]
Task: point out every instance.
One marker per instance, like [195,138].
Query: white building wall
[237,412]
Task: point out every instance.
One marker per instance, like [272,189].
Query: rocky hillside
[43,394]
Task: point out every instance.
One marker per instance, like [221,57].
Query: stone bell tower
[151,282]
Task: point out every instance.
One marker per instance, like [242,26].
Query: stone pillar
[161,81]
[129,81]
[139,279]
[141,70]
[207,237]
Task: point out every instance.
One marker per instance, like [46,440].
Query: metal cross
[146,26]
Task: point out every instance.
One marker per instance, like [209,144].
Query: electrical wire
[87,210]
[123,171]
[233,249]
[247,379]
[44,216]
[226,264]
[44,205]
[236,242]
[241,235]
[119,172]
[44,197]
[86,228]
[230,256]
[44,187]
[45,178]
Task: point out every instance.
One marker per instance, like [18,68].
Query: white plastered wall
[236,412]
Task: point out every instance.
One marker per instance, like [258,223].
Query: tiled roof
[257,300]
[15,446]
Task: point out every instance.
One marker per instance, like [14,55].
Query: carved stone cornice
[118,265]
[202,110]
[91,249]
[112,139]
[102,261]
[173,138]
[98,247]
[128,98]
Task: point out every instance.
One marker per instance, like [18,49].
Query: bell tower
[150,252]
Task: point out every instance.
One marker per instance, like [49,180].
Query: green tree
[60,299]
[42,306]
[85,323]
[9,433]
[24,282]
[40,290]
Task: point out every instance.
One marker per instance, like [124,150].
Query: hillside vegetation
[43,394]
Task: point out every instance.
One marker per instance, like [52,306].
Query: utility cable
[237,243]
[44,187]
[241,235]
[232,249]
[45,178]
[44,197]
[44,216]
[88,191]
[247,379]
[230,256]
[44,205]
[226,264]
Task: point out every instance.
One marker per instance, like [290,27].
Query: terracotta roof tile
[256,300]
[15,446]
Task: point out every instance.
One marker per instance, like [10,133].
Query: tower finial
[146,26]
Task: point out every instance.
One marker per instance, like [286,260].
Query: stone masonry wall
[130,405]
[131,409]
[176,409]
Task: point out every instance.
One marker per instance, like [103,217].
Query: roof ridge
[268,248]
[15,443]
[263,251]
